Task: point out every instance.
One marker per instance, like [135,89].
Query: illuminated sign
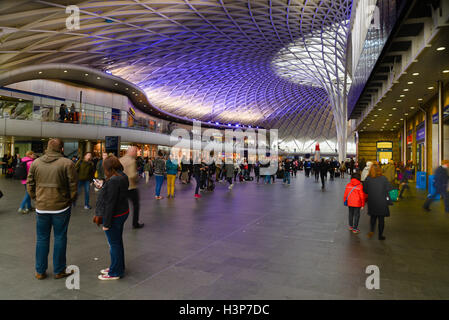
[385,145]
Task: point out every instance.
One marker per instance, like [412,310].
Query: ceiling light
[412,108]
[416,74]
[126,88]
[446,71]
[375,115]
[116,84]
[406,114]
[420,99]
[431,88]
[86,74]
[402,119]
[405,90]
[379,109]
[394,109]
[399,101]
[402,95]
[390,115]
[387,120]
[411,82]
[372,120]
[40,72]
[98,78]
[441,48]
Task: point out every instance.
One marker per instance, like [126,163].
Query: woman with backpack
[354,199]
[22,173]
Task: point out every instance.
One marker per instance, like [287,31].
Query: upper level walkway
[254,242]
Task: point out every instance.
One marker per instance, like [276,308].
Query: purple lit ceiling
[276,64]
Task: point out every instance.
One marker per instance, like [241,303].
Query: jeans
[171,178]
[287,176]
[116,249]
[267,179]
[133,196]
[354,217]
[159,182]
[444,195]
[381,224]
[26,202]
[60,224]
[84,184]
[322,180]
[404,187]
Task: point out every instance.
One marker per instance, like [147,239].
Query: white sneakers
[231,186]
[104,275]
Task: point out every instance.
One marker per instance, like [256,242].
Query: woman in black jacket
[377,187]
[112,206]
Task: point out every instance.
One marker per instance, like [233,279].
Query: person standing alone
[129,163]
[86,170]
[52,183]
[26,161]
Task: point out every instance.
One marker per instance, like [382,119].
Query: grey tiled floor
[254,242]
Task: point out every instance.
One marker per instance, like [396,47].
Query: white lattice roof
[276,64]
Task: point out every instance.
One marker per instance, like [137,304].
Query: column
[440,123]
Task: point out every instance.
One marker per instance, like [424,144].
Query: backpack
[21,170]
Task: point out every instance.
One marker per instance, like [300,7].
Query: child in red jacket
[354,198]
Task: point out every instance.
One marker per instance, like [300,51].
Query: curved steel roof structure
[276,64]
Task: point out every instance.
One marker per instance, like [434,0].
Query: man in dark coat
[324,168]
[440,183]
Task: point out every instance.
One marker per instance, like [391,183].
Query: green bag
[394,194]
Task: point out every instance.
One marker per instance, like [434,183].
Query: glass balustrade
[50,110]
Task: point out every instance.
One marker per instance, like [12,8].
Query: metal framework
[276,64]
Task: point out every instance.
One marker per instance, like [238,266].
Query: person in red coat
[354,198]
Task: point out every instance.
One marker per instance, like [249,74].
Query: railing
[91,115]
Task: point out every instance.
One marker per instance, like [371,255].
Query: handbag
[346,200]
[393,195]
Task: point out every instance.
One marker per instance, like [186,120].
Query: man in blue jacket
[440,182]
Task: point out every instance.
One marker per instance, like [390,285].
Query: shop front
[384,151]
[420,146]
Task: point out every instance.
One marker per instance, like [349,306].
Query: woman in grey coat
[377,187]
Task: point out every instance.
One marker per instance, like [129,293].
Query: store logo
[373,280]
[73,20]
[73,281]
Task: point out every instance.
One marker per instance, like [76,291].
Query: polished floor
[254,242]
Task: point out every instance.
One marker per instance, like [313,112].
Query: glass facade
[385,18]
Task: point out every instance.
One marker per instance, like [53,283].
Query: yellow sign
[385,145]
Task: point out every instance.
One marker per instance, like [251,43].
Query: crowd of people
[55,182]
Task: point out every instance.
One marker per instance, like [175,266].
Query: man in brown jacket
[52,184]
[129,164]
[389,171]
